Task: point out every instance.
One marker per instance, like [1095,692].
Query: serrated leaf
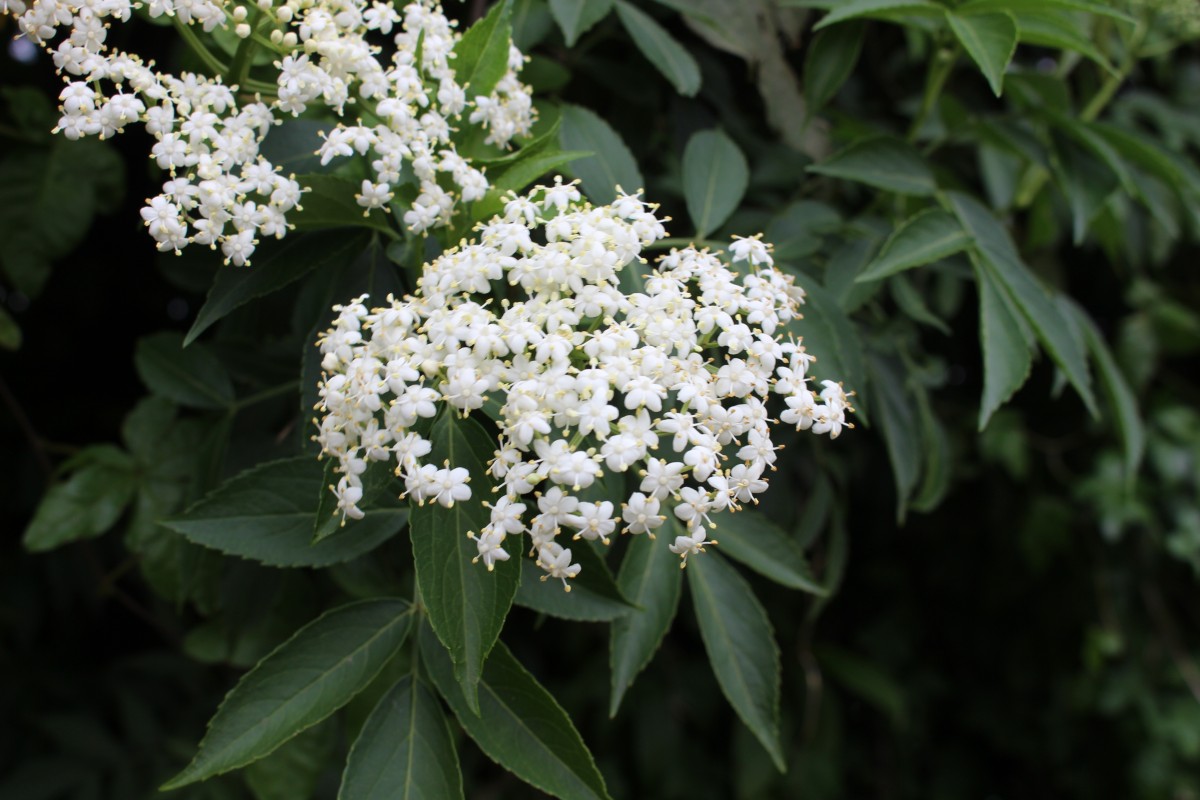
[830,335]
[754,540]
[798,230]
[936,455]
[998,254]
[481,55]
[267,514]
[518,724]
[715,177]
[465,602]
[575,17]
[883,162]
[298,256]
[405,750]
[611,165]
[661,49]
[990,40]
[87,503]
[291,772]
[594,596]
[650,577]
[910,301]
[292,146]
[1048,27]
[740,645]
[878,9]
[300,683]
[1006,356]
[927,237]
[192,377]
[830,60]
[1087,183]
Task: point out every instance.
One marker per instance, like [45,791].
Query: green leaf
[48,198]
[1047,27]
[878,9]
[10,332]
[1087,183]
[935,451]
[611,166]
[912,303]
[927,237]
[1006,356]
[1121,398]
[828,334]
[866,680]
[715,176]
[299,255]
[990,40]
[740,645]
[518,725]
[330,203]
[1016,6]
[267,514]
[466,603]
[291,772]
[898,424]
[405,750]
[481,55]
[594,596]
[575,17]
[303,681]
[292,146]
[86,504]
[660,49]
[830,60]
[998,254]
[520,175]
[650,577]
[193,377]
[750,537]
[883,162]
[798,230]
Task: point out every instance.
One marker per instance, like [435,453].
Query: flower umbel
[596,368]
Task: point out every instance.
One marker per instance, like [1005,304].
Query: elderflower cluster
[221,190]
[670,382]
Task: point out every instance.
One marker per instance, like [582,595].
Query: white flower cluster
[221,190]
[671,383]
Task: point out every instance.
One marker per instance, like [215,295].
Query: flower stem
[193,41]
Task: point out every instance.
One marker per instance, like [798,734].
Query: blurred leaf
[87,503]
[1046,26]
[661,49]
[466,603]
[1014,6]
[291,772]
[1087,183]
[997,254]
[740,645]
[1121,398]
[882,162]
[650,577]
[300,255]
[302,682]
[330,203]
[611,166]
[594,596]
[10,332]
[715,176]
[878,9]
[1006,356]
[867,680]
[750,537]
[481,55]
[518,724]
[929,236]
[829,335]
[937,456]
[292,146]
[48,198]
[913,304]
[797,231]
[831,58]
[405,750]
[898,423]
[990,40]
[192,377]
[575,17]
[267,514]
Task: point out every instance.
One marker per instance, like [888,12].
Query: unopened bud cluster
[669,382]
[221,191]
